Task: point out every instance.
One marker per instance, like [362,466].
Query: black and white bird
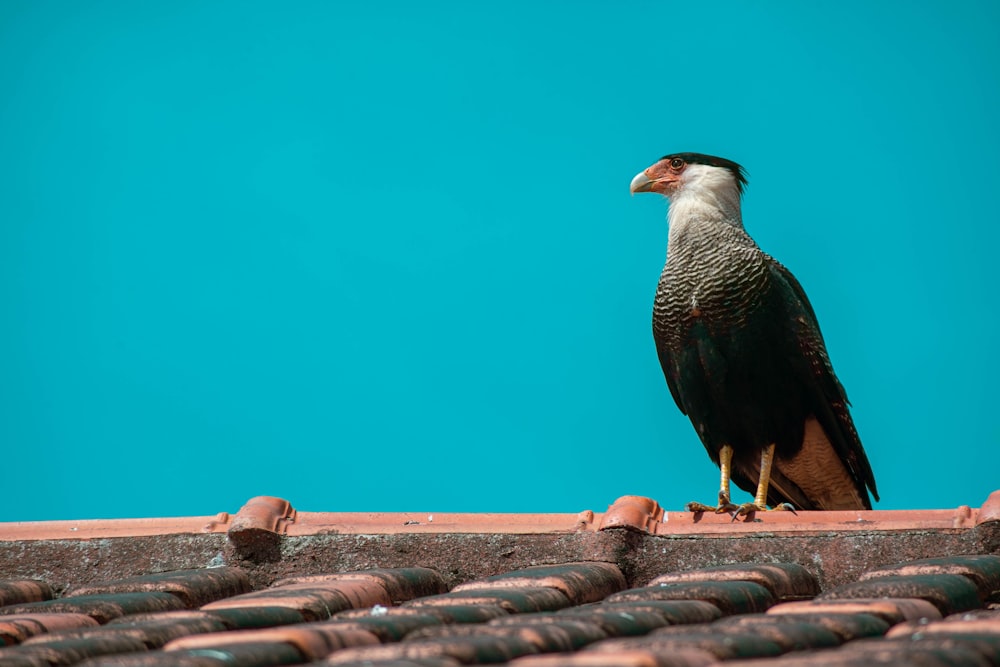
[743,355]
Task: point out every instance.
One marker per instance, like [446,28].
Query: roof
[633,585]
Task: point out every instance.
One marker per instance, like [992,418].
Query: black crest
[739,173]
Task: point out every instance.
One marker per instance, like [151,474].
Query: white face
[672,176]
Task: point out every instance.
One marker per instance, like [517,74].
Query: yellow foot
[747,509]
[724,506]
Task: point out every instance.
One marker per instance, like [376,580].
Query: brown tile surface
[25,590]
[193,587]
[785,581]
[662,590]
[732,597]
[950,593]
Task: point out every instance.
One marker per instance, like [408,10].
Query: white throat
[706,194]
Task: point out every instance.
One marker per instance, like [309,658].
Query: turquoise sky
[382,256]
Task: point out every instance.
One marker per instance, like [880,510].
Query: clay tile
[263,513]
[847,627]
[152,633]
[101,608]
[580,582]
[193,587]
[949,626]
[982,570]
[316,601]
[551,636]
[891,610]
[467,650]
[986,645]
[674,612]
[246,618]
[907,652]
[70,651]
[950,593]
[732,597]
[402,584]
[617,622]
[16,629]
[313,641]
[448,613]
[722,646]
[636,658]
[235,655]
[388,628]
[990,511]
[513,600]
[18,591]
[786,633]
[579,631]
[786,581]
[633,513]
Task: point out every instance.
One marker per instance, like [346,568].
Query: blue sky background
[382,256]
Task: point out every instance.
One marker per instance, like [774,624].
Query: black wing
[828,396]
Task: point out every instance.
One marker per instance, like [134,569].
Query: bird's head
[686,172]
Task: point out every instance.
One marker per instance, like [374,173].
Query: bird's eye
[676,163]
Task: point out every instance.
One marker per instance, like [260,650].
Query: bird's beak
[641,183]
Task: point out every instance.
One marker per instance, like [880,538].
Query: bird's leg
[759,503]
[725,468]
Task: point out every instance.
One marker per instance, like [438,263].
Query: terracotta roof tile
[24,590]
[788,633]
[950,593]
[152,632]
[473,612]
[193,587]
[313,640]
[982,569]
[388,628]
[847,626]
[316,601]
[630,658]
[786,581]
[467,650]
[679,612]
[401,584]
[267,654]
[70,651]
[101,608]
[891,610]
[513,600]
[619,622]
[726,646]
[550,635]
[15,629]
[580,582]
[248,618]
[732,597]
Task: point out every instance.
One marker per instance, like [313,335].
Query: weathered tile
[313,640]
[633,658]
[316,601]
[101,608]
[240,655]
[16,629]
[847,626]
[194,587]
[950,593]
[19,591]
[674,612]
[448,613]
[617,622]
[892,610]
[513,600]
[467,650]
[70,651]
[732,597]
[580,582]
[722,646]
[401,584]
[786,581]
[982,569]
[152,633]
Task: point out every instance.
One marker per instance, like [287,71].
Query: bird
[743,355]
